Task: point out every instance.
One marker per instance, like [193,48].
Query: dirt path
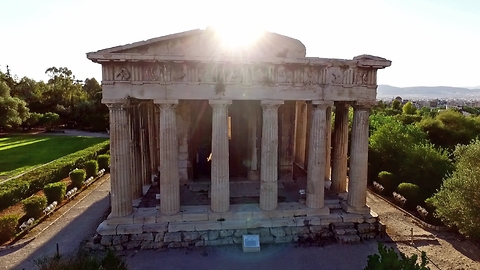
[68,227]
[446,250]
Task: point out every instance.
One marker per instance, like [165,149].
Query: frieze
[239,73]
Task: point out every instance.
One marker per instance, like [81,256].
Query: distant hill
[427,92]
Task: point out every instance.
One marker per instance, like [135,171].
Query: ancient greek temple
[233,139]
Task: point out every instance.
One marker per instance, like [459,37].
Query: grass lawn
[19,153]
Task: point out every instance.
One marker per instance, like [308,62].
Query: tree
[13,111]
[388,259]
[457,202]
[404,151]
[49,120]
[408,108]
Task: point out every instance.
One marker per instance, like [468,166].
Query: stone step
[348,239]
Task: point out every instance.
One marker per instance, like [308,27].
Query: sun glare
[237,36]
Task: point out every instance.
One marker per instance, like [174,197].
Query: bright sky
[431,42]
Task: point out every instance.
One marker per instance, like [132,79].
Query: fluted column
[169,178]
[340,149]
[220,186]
[252,144]
[144,145]
[317,155]
[328,134]
[269,159]
[152,140]
[121,187]
[135,159]
[357,184]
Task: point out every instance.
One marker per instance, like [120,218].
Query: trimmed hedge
[78,176]
[20,188]
[103,161]
[34,206]
[55,191]
[8,227]
[91,168]
[411,192]
[387,180]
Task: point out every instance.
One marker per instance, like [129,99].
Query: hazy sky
[431,42]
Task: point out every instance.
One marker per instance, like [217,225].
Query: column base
[253,175]
[355,210]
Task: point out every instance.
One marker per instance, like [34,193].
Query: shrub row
[8,227]
[20,188]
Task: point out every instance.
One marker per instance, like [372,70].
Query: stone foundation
[198,226]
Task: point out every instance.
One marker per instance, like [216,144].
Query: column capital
[363,105]
[271,104]
[117,104]
[322,104]
[220,102]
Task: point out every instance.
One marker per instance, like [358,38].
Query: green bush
[388,259]
[78,176]
[24,186]
[55,191]
[8,227]
[387,180]
[103,161]
[411,192]
[91,168]
[34,206]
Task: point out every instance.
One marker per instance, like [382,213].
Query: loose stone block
[118,247]
[116,240]
[318,229]
[264,232]
[190,236]
[133,244]
[213,235]
[365,227]
[369,235]
[181,226]
[226,233]
[240,233]
[227,241]
[172,237]
[277,232]
[142,237]
[339,231]
[130,229]
[159,237]
[106,240]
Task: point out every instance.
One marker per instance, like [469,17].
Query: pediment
[207,43]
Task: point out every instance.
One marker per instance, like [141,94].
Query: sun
[237,36]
